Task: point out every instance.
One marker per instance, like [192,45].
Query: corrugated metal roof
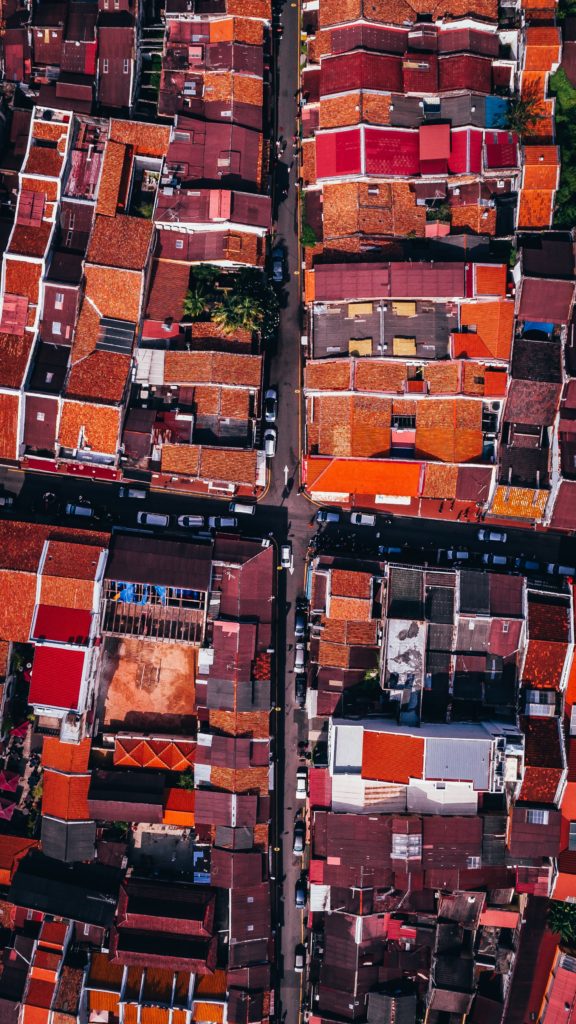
[458,760]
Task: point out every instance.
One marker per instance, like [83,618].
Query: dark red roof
[501,149]
[465,71]
[66,625]
[529,840]
[320,787]
[546,300]
[451,40]
[391,151]
[420,73]
[56,677]
[373,37]
[360,70]
[448,842]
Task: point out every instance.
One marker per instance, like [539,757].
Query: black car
[300,893]
[299,836]
[300,689]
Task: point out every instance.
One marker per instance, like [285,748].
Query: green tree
[208,273]
[196,300]
[186,779]
[562,920]
[238,312]
[523,112]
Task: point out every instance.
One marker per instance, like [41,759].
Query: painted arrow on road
[291,570]
[286,471]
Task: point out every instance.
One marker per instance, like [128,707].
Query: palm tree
[196,300]
[238,312]
[562,920]
[208,273]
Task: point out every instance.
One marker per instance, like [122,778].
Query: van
[79,510]
[132,492]
[241,508]
[152,519]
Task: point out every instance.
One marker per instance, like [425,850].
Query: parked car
[300,689]
[490,559]
[362,519]
[492,536]
[6,500]
[300,623]
[271,405]
[278,264]
[242,508]
[457,555]
[159,519]
[190,522]
[286,555]
[529,564]
[388,549]
[324,515]
[299,657]
[222,522]
[270,442]
[560,570]
[300,893]
[301,784]
[79,510]
[299,836]
[138,493]
[299,958]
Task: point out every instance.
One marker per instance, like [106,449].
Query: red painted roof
[320,787]
[67,625]
[56,677]
[561,1006]
[434,141]
[466,155]
[338,153]
[501,149]
[391,151]
[420,73]
[360,70]
[465,71]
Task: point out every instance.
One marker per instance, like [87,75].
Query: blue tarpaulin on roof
[536,325]
[496,111]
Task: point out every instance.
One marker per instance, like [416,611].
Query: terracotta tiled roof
[544,664]
[22,278]
[443,378]
[440,481]
[99,375]
[14,357]
[211,984]
[12,849]
[392,758]
[115,293]
[65,757]
[350,608]
[491,280]
[162,754]
[327,374]
[519,502]
[66,796]
[145,139]
[540,785]
[213,367]
[308,165]
[401,12]
[72,560]
[347,583]
[241,723]
[363,476]
[385,375]
[100,425]
[542,47]
[250,8]
[17,601]
[44,161]
[235,465]
[493,336]
[61,593]
[103,1002]
[355,208]
[111,178]
[536,206]
[181,458]
[479,219]
[30,241]
[123,242]
[211,1012]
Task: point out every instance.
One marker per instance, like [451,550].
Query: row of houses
[440,801]
[439,300]
[138,822]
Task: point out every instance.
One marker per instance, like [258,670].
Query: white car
[362,519]
[190,522]
[153,519]
[301,784]
[286,556]
[491,536]
[299,657]
[270,442]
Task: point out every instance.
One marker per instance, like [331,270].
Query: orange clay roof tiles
[542,47]
[363,476]
[100,375]
[100,425]
[115,293]
[9,404]
[536,205]
[65,757]
[66,593]
[229,464]
[87,331]
[347,583]
[145,139]
[308,164]
[111,178]
[14,357]
[392,758]
[44,161]
[103,1002]
[350,608]
[519,502]
[399,12]
[66,796]
[493,335]
[71,560]
[491,280]
[122,242]
[103,974]
[22,278]
[213,1013]
[213,367]
[327,375]
[211,984]
[17,601]
[181,458]
[479,219]
[443,378]
[234,403]
[440,481]
[385,375]
[250,8]
[30,241]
